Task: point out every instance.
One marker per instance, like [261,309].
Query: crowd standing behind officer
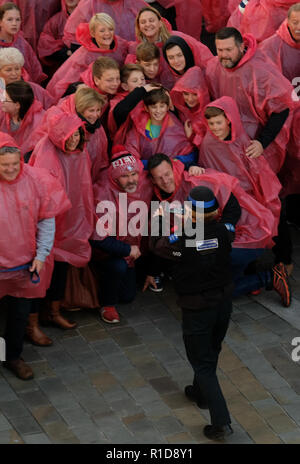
[95,93]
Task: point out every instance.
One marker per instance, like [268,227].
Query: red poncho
[109,190]
[172,139]
[188,17]
[232,5]
[32,64]
[215,14]
[192,81]
[79,61]
[35,14]
[283,51]
[255,226]
[42,95]
[123,13]
[50,40]
[30,122]
[73,170]
[96,142]
[255,175]
[259,90]
[163,77]
[261,18]
[33,196]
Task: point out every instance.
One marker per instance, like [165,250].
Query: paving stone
[30,354]
[6,392]
[76,417]
[291,437]
[264,436]
[284,395]
[181,438]
[93,333]
[126,337]
[46,414]
[276,325]
[267,407]
[37,439]
[115,393]
[190,416]
[164,385]
[52,386]
[94,404]
[42,370]
[167,425]
[164,352]
[144,394]
[111,426]
[143,428]
[281,423]
[25,425]
[255,311]
[151,369]
[13,409]
[155,409]
[175,400]
[125,408]
[4,424]
[89,434]
[10,437]
[133,380]
[59,433]
[293,410]
[34,399]
[60,360]
[116,361]
[103,380]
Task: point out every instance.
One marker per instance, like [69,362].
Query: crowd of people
[106,104]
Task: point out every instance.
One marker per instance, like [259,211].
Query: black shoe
[214,432]
[159,285]
[191,393]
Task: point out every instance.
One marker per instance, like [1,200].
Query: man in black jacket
[202,278]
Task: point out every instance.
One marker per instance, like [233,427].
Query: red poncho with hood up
[259,90]
[50,40]
[172,139]
[73,170]
[261,18]
[30,122]
[32,196]
[79,61]
[123,13]
[32,64]
[255,175]
[109,190]
[192,81]
[284,51]
[255,226]
[96,142]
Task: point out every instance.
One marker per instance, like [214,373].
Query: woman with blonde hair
[97,38]
[88,104]
[12,70]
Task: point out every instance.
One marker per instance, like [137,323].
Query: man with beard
[263,95]
[123,187]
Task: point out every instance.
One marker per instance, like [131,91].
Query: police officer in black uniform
[202,278]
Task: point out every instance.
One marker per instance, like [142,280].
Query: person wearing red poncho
[118,233]
[62,152]
[11,36]
[35,14]
[253,227]
[283,48]
[30,199]
[122,11]
[260,18]
[188,17]
[11,70]
[263,95]
[223,148]
[88,104]
[189,96]
[50,47]
[21,114]
[96,39]
[156,130]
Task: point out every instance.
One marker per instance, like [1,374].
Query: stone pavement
[124,384]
